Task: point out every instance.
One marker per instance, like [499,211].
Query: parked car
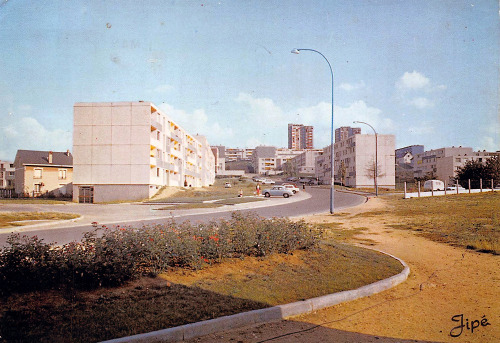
[228,185]
[434,185]
[291,187]
[268,182]
[304,180]
[277,191]
[313,182]
[257,179]
[292,178]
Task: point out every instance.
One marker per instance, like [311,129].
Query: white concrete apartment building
[7,174]
[236,154]
[357,154]
[442,164]
[129,150]
[269,160]
[303,164]
[425,163]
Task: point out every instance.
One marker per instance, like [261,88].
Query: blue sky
[426,71]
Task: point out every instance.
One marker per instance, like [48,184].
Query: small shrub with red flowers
[112,256]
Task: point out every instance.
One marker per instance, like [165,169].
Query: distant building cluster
[414,163]
[131,150]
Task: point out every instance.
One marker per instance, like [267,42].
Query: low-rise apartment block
[355,161]
[303,164]
[237,154]
[43,172]
[441,164]
[129,150]
[7,174]
[269,160]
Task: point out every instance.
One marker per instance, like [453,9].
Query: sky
[426,71]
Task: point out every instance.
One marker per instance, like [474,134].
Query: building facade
[129,150]
[39,173]
[303,164]
[264,159]
[425,164]
[406,161]
[237,154]
[345,132]
[7,174]
[355,161]
[300,137]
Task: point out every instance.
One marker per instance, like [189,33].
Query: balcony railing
[156,125]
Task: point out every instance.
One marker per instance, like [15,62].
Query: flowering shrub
[112,256]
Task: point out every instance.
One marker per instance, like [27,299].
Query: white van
[434,185]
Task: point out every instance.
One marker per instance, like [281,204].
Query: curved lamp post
[332,158]
[376,155]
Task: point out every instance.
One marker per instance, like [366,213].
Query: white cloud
[413,80]
[488,144]
[352,86]
[421,103]
[29,134]
[197,122]
[263,109]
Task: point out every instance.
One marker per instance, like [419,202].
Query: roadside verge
[266,315]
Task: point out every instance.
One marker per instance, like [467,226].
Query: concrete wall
[110,193]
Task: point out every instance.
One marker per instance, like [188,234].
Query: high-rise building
[300,137]
[345,132]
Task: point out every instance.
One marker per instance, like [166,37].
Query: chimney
[50,156]
[67,152]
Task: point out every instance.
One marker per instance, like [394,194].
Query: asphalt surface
[313,201]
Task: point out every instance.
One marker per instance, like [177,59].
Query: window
[37,187]
[37,173]
[62,174]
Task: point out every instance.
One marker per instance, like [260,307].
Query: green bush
[112,256]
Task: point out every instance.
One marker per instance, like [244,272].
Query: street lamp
[332,158]
[376,155]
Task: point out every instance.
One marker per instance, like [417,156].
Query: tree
[342,172]
[493,169]
[372,171]
[475,171]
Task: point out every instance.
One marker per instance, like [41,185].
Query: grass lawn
[10,219]
[471,221]
[216,192]
[185,296]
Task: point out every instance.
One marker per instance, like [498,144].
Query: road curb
[270,314]
[39,226]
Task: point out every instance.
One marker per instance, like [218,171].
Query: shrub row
[111,256]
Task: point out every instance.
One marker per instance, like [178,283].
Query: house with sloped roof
[40,173]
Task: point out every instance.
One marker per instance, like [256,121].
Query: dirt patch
[445,281]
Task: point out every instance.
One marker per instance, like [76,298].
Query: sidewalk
[109,214]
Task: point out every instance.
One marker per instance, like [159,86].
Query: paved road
[316,200]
